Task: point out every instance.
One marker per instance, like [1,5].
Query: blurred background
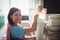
[26,7]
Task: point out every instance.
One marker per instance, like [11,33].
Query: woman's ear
[35,17]
[10,16]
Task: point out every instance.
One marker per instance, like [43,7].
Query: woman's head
[14,16]
[39,7]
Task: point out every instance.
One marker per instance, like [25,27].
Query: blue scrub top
[17,32]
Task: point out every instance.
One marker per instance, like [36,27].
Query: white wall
[5,9]
[23,5]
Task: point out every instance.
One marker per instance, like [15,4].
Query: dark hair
[11,12]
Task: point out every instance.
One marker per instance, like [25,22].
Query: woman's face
[40,8]
[16,17]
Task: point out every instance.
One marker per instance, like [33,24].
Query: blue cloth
[17,32]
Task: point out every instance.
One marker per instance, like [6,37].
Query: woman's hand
[34,25]
[35,17]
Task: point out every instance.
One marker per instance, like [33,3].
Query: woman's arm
[34,26]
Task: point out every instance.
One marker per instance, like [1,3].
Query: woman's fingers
[36,16]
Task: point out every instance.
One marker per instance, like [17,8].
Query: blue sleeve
[17,32]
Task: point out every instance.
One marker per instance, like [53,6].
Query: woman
[40,20]
[40,11]
[14,31]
